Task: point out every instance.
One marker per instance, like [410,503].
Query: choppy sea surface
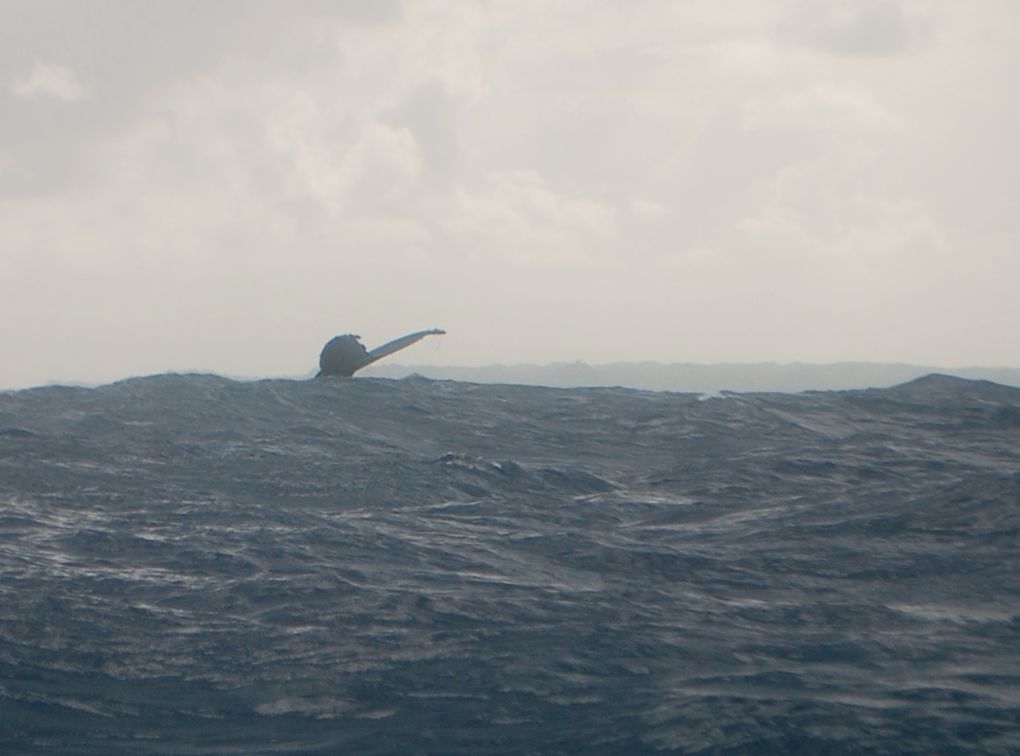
[190,564]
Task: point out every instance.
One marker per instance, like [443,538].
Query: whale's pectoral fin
[397,344]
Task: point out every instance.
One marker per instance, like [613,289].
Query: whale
[344,355]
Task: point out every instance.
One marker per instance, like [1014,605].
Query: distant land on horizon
[705,378]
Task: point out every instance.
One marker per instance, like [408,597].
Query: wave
[194,564]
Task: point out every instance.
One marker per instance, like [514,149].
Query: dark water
[194,565]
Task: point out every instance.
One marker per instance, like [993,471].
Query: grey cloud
[127,54]
[47,80]
[852,27]
[123,53]
[431,114]
[713,193]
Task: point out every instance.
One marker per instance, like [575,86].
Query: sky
[187,185]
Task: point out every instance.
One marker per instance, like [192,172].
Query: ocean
[195,565]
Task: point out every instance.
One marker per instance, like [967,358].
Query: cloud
[346,168]
[517,216]
[647,209]
[827,225]
[50,81]
[853,27]
[823,109]
[330,166]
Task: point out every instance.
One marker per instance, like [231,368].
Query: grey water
[191,564]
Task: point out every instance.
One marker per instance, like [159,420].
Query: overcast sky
[225,185]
